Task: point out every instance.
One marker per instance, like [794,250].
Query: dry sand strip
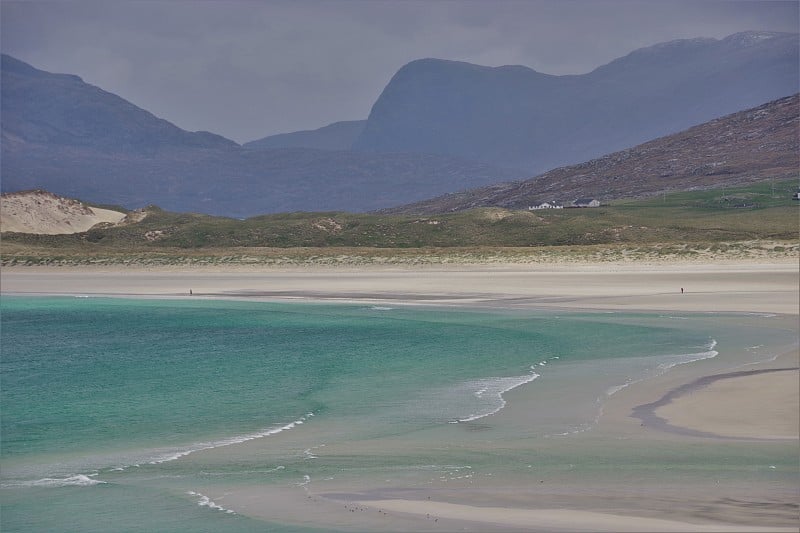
[762,288]
[751,404]
[552,519]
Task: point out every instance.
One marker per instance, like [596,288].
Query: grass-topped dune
[733,222]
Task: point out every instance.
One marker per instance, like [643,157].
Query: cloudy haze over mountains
[357,106]
[439,126]
[246,69]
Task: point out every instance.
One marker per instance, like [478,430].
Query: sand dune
[45,213]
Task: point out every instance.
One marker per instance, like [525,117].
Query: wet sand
[553,519]
[748,404]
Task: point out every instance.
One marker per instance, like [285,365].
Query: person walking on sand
[681,290]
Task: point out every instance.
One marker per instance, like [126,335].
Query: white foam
[77,480]
[177,454]
[381,308]
[494,388]
[145,457]
[309,453]
[615,389]
[205,501]
[672,361]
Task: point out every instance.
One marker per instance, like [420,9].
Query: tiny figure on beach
[681,290]
[190,291]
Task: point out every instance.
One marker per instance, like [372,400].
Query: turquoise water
[116,413]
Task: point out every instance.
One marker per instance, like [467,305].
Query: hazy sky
[247,69]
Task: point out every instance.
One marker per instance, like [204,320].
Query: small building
[586,202]
[545,205]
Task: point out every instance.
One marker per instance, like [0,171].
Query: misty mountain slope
[244,183]
[750,146]
[76,140]
[424,135]
[517,117]
[336,136]
[62,110]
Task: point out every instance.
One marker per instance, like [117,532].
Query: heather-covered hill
[751,146]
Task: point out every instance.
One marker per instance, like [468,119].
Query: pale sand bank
[551,519]
[45,213]
[760,288]
[758,405]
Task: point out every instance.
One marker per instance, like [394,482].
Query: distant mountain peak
[437,66]
[15,66]
[43,108]
[439,126]
[515,117]
[749,38]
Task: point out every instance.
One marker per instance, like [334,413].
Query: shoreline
[762,289]
[771,287]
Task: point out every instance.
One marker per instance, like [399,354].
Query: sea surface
[135,414]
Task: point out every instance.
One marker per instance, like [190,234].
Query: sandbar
[751,404]
[552,519]
[744,287]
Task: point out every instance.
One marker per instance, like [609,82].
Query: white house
[545,205]
[586,202]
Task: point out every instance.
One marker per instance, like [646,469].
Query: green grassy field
[698,220]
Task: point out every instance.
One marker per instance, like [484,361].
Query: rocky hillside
[750,146]
[44,213]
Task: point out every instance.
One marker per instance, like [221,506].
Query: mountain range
[516,117]
[438,127]
[76,140]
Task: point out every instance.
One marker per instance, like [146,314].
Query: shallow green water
[115,412]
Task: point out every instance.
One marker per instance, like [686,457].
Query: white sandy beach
[743,287]
[758,406]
